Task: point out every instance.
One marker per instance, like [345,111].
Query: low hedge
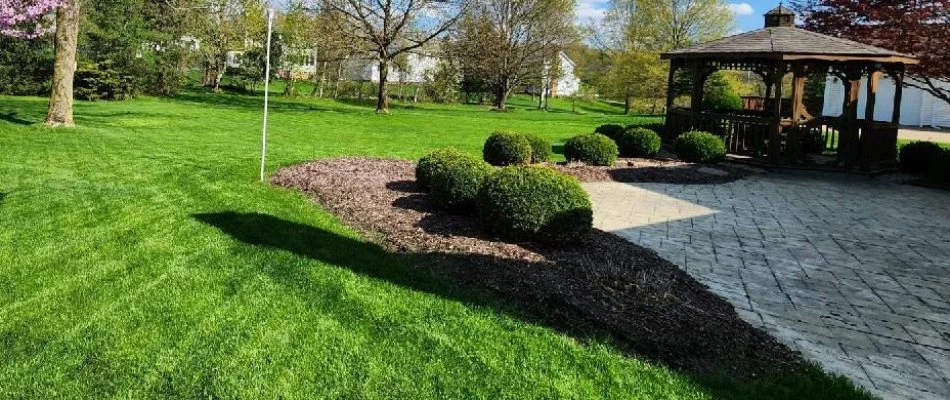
[541,150]
[919,157]
[535,203]
[456,183]
[507,148]
[612,131]
[940,167]
[639,142]
[700,147]
[432,162]
[593,149]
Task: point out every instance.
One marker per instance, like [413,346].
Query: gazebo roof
[789,43]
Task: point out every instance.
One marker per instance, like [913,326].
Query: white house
[567,84]
[918,108]
[414,70]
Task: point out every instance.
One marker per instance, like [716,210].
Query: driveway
[926,135]
[853,272]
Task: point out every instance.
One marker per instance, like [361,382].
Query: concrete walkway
[853,272]
[924,135]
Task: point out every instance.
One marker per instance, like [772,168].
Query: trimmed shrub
[657,127]
[540,148]
[455,184]
[535,203]
[432,162]
[612,131]
[939,168]
[700,147]
[919,157]
[507,148]
[593,149]
[639,142]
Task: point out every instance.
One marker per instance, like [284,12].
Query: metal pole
[270,26]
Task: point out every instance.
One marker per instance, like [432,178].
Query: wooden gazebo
[787,135]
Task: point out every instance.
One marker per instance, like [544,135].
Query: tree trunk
[382,97]
[60,111]
[501,96]
[626,104]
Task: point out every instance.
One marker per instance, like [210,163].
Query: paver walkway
[853,272]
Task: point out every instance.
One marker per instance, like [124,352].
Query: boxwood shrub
[639,142]
[593,149]
[612,131]
[507,148]
[432,162]
[540,148]
[939,168]
[919,157]
[535,203]
[700,147]
[456,183]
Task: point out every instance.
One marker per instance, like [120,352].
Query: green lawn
[111,284]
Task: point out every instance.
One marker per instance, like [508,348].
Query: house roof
[789,43]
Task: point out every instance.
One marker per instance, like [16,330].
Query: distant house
[414,68]
[567,84]
[918,107]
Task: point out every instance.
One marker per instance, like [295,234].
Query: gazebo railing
[743,134]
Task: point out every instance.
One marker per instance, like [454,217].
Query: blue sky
[748,13]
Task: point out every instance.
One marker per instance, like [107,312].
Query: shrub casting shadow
[581,298]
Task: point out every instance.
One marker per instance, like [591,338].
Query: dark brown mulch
[648,305]
[656,170]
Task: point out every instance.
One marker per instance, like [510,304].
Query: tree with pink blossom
[26,19]
[29,19]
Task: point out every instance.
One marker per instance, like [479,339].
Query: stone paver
[853,272]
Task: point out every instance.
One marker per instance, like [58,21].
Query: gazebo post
[775,129]
[897,74]
[696,97]
[848,138]
[792,145]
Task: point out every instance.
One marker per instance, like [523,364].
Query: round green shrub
[700,147]
[540,148]
[919,157]
[939,168]
[639,142]
[507,148]
[455,185]
[593,149]
[612,131]
[432,162]
[535,203]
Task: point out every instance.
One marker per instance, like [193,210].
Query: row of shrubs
[519,202]
[644,141]
[927,159]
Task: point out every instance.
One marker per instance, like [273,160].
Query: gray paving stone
[852,272]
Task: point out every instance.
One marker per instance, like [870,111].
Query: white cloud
[740,9]
[590,10]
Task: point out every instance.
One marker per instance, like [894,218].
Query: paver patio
[851,271]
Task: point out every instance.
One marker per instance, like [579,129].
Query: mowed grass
[114,285]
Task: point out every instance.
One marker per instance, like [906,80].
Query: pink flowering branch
[25,18]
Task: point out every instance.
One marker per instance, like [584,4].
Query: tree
[635,32]
[392,27]
[223,26]
[918,27]
[25,19]
[508,42]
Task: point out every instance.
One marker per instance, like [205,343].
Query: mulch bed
[648,305]
[657,170]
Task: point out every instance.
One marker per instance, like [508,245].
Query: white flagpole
[270,26]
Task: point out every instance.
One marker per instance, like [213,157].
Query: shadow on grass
[501,284]
[13,118]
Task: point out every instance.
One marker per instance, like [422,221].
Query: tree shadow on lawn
[12,117]
[500,283]
[277,104]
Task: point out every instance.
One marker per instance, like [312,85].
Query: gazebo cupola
[787,134]
[779,16]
